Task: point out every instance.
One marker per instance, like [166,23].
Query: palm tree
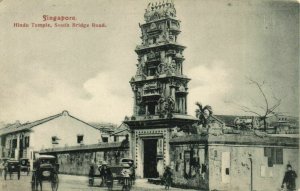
[201,113]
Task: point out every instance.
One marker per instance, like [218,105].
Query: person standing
[126,173]
[91,175]
[168,177]
[105,173]
[289,179]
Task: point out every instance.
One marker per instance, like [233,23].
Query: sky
[86,71]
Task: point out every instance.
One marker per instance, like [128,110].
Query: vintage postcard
[149,95]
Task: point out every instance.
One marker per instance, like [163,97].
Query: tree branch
[259,86]
[247,109]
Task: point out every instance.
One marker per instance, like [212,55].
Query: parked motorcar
[25,165]
[127,161]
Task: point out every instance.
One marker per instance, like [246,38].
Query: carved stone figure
[161,10]
[161,106]
[138,97]
[140,70]
[173,66]
[177,132]
[169,107]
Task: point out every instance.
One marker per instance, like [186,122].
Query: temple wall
[230,165]
[189,166]
[78,162]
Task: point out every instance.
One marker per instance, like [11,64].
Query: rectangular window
[3,140]
[105,139]
[54,139]
[151,108]
[227,171]
[275,155]
[14,143]
[151,72]
[279,156]
[79,139]
[187,165]
[26,141]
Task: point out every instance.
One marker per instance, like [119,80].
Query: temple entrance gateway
[150,158]
[160,91]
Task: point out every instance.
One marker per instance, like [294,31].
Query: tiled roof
[213,117]
[104,127]
[26,126]
[121,130]
[227,119]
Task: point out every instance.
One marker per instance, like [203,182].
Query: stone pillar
[183,106]
[147,112]
[134,104]
[167,147]
[180,105]
[1,147]
[172,89]
[18,148]
[139,149]
[131,144]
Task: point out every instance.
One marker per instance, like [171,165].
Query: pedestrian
[167,177]
[105,173]
[289,179]
[91,175]
[109,178]
[132,175]
[1,167]
[127,174]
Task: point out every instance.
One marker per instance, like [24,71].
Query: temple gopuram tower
[160,90]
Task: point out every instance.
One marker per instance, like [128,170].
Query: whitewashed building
[61,130]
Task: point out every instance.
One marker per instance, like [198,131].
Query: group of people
[105,174]
[128,174]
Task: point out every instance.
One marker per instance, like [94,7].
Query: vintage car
[45,168]
[11,167]
[126,161]
[25,165]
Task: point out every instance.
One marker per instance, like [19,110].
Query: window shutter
[279,156]
[272,157]
[268,152]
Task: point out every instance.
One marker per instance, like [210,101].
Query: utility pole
[251,174]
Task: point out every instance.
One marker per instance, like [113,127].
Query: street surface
[69,182]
